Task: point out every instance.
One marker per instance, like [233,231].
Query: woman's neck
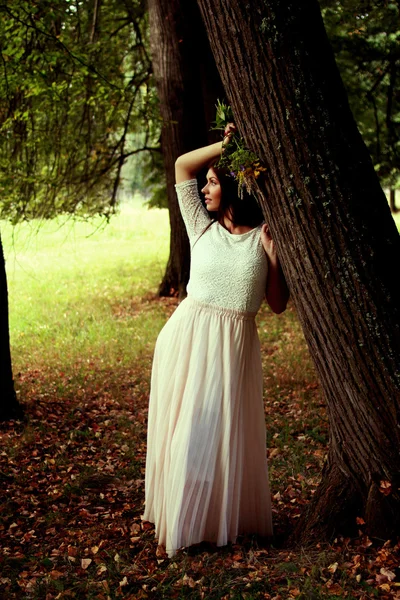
[238,229]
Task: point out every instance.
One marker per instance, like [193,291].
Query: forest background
[79,104]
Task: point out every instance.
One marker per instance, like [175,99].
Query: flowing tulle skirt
[206,468]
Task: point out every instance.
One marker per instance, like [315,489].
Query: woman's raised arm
[188,165]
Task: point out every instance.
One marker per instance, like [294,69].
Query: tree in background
[76,80]
[76,87]
[77,99]
[188,86]
[365,38]
[10,408]
[336,239]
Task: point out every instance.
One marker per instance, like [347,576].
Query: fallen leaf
[334,588]
[333,567]
[389,574]
[55,574]
[186,580]
[85,562]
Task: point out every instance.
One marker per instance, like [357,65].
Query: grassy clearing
[74,287]
[84,320]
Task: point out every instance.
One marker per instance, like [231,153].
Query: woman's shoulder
[187,183]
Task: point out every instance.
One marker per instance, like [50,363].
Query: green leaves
[240,162]
[224,115]
[365,38]
[73,86]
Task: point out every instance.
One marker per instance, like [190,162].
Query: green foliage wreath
[242,164]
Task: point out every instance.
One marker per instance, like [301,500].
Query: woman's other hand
[277,292]
[268,244]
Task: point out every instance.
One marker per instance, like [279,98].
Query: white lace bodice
[227,270]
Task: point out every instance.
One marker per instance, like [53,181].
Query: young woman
[206,468]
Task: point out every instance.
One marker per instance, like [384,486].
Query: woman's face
[212,191]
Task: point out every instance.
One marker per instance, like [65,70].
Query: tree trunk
[336,240]
[188,85]
[9,406]
[392,200]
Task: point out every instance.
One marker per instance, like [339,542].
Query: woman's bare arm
[188,165]
[277,291]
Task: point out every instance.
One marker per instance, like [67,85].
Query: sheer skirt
[206,468]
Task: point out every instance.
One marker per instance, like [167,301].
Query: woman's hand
[230,129]
[277,292]
[268,244]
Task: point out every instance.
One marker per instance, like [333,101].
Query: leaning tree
[336,239]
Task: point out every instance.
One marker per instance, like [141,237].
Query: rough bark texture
[335,237]
[188,85]
[9,406]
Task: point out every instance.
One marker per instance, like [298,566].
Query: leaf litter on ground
[72,483]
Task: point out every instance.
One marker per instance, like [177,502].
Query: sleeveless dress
[206,468]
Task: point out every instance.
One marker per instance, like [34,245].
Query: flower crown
[242,164]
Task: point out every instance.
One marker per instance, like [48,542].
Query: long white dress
[206,467]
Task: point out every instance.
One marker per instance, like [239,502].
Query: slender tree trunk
[336,239]
[9,406]
[392,200]
[181,56]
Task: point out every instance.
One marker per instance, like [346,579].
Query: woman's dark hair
[242,211]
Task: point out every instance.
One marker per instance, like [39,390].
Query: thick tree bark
[336,239]
[9,406]
[188,85]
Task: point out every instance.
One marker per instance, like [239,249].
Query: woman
[206,469]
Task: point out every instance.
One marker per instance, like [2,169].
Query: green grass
[79,291]
[75,287]
[396,217]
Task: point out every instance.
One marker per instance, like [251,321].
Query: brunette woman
[206,467]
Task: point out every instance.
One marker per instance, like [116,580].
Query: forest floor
[84,319]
